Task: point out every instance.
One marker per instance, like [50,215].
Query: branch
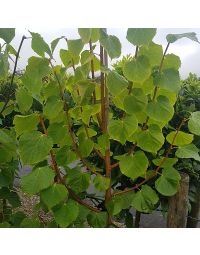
[53,160]
[156,87]
[132,150]
[75,197]
[102,91]
[93,78]
[136,51]
[75,146]
[144,126]
[104,126]
[158,167]
[14,71]
[57,171]
[162,60]
[171,145]
[130,82]
[114,165]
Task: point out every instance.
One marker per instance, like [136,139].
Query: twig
[14,71]
[156,87]
[104,126]
[93,78]
[158,167]
[75,146]
[136,51]
[57,171]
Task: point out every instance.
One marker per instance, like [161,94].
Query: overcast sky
[187,50]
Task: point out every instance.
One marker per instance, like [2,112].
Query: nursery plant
[71,138]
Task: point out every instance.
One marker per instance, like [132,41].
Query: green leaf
[135,165]
[39,179]
[180,139]
[54,195]
[24,100]
[171,61]
[67,58]
[172,96]
[7,34]
[151,140]
[86,145]
[136,102]
[75,47]
[86,89]
[30,223]
[4,65]
[13,199]
[95,34]
[88,111]
[117,203]
[103,143]
[121,130]
[25,123]
[153,52]
[168,183]
[140,36]
[194,123]
[116,83]
[6,155]
[145,199]
[58,133]
[55,42]
[168,162]
[188,151]
[50,89]
[17,218]
[39,45]
[53,107]
[66,214]
[160,110]
[83,213]
[90,132]
[81,73]
[34,147]
[171,38]
[11,50]
[101,183]
[85,34]
[169,80]
[65,156]
[78,180]
[111,44]
[7,140]
[137,70]
[97,220]
[119,100]
[86,57]
[36,69]
[11,196]
[5,178]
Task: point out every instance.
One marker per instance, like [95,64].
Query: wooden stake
[178,205]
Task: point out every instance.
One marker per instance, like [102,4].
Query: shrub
[76,121]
